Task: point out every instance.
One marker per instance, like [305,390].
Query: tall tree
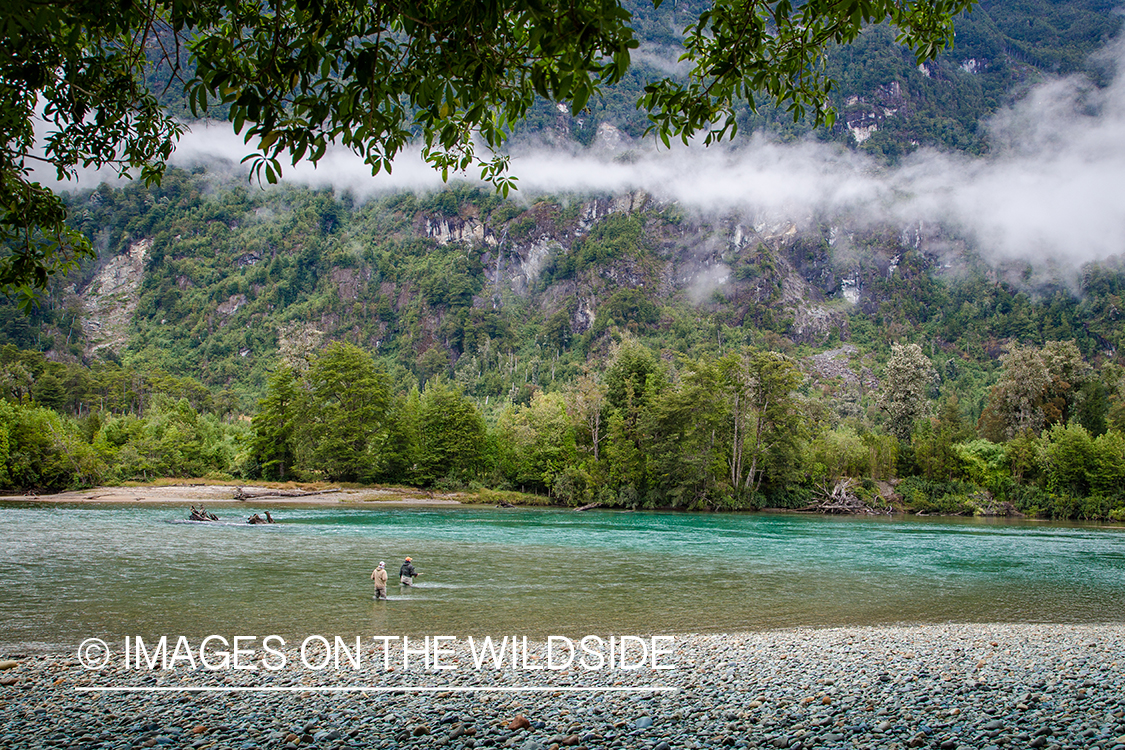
[1037,388]
[766,426]
[342,415]
[631,374]
[906,387]
[452,437]
[632,379]
[536,441]
[1069,372]
[274,425]
[586,403]
[686,430]
[1015,403]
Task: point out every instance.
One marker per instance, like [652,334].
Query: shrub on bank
[43,451]
[920,495]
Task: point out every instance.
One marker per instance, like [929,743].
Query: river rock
[716,685]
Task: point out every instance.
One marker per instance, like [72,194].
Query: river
[68,572]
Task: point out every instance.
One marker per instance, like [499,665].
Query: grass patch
[498,497]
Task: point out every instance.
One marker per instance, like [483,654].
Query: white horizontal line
[375,689]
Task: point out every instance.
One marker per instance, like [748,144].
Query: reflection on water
[71,572]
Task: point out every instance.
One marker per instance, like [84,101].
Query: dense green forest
[294,334]
[593,348]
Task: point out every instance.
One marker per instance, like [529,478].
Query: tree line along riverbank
[740,431]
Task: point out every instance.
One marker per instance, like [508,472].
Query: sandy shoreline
[941,686]
[192,494]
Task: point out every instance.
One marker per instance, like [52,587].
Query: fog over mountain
[1050,190]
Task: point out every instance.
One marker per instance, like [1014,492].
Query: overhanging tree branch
[373,77]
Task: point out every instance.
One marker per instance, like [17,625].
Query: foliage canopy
[296,76]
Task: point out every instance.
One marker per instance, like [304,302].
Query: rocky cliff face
[803,279]
[109,301]
[627,258]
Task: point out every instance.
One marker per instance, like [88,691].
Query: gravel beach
[933,686]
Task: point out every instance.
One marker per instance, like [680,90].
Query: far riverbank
[259,493]
[268,494]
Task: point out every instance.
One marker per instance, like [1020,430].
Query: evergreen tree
[49,391]
[1015,403]
[272,444]
[452,437]
[686,429]
[906,385]
[766,425]
[342,407]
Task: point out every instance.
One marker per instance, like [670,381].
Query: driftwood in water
[201,514]
[241,493]
[841,498]
[588,506]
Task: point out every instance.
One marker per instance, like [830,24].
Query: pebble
[946,686]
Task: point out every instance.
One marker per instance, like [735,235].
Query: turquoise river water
[72,572]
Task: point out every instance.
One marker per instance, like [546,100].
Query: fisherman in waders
[379,576]
[407,573]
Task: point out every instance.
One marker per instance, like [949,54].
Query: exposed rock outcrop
[110,299]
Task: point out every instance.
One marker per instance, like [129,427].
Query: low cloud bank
[1053,188]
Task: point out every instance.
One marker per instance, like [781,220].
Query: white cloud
[1054,186]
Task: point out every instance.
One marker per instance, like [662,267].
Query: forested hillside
[887,104]
[616,348]
[611,349]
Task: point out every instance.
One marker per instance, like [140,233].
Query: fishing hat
[408,559]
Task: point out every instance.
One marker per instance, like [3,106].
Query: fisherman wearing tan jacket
[379,575]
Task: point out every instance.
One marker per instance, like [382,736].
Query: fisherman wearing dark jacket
[407,573]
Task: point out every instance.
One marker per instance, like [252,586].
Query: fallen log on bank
[241,493]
